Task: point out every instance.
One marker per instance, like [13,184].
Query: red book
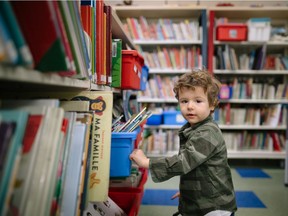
[276,141]
[44,39]
[100,77]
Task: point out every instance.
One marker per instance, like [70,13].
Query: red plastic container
[129,199]
[132,63]
[231,32]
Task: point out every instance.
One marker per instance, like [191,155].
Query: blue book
[20,118]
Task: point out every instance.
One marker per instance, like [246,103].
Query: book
[71,116]
[76,106]
[8,51]
[69,57]
[44,41]
[73,170]
[100,76]
[46,165]
[108,47]
[107,207]
[67,12]
[85,118]
[20,118]
[74,8]
[23,49]
[31,143]
[116,63]
[58,175]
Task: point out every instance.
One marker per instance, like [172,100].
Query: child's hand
[139,158]
[175,195]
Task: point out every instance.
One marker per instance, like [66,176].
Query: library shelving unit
[251,75]
[166,36]
[16,80]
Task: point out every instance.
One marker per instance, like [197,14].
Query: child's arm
[139,158]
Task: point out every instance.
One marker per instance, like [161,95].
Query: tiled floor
[261,194]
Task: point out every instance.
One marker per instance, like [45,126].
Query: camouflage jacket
[205,177]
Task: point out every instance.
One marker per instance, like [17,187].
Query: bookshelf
[278,17]
[258,75]
[20,82]
[161,46]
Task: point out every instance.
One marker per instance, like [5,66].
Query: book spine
[99,166]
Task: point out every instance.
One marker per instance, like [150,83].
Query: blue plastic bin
[173,118]
[155,119]
[144,77]
[122,144]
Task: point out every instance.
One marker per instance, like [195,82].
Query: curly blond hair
[200,78]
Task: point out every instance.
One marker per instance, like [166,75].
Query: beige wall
[201,2]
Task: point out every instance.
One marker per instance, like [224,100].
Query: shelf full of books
[66,55]
[248,52]
[56,106]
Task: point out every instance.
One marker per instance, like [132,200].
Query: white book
[37,107]
[45,160]
[73,170]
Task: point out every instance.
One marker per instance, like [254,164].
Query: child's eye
[183,101]
[198,101]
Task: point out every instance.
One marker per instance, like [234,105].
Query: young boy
[206,186]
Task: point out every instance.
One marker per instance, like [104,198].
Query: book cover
[57,187]
[116,63]
[45,40]
[107,207]
[64,38]
[100,76]
[20,118]
[73,170]
[75,11]
[85,118]
[43,175]
[23,49]
[76,106]
[108,12]
[71,116]
[210,45]
[31,143]
[67,13]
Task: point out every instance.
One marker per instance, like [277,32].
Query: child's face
[194,104]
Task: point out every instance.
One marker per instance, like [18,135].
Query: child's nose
[190,105]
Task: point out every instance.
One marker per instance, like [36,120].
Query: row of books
[56,43]
[66,39]
[50,158]
[226,58]
[177,58]
[160,87]
[249,89]
[273,115]
[270,141]
[167,141]
[163,29]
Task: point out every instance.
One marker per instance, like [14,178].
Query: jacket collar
[187,128]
